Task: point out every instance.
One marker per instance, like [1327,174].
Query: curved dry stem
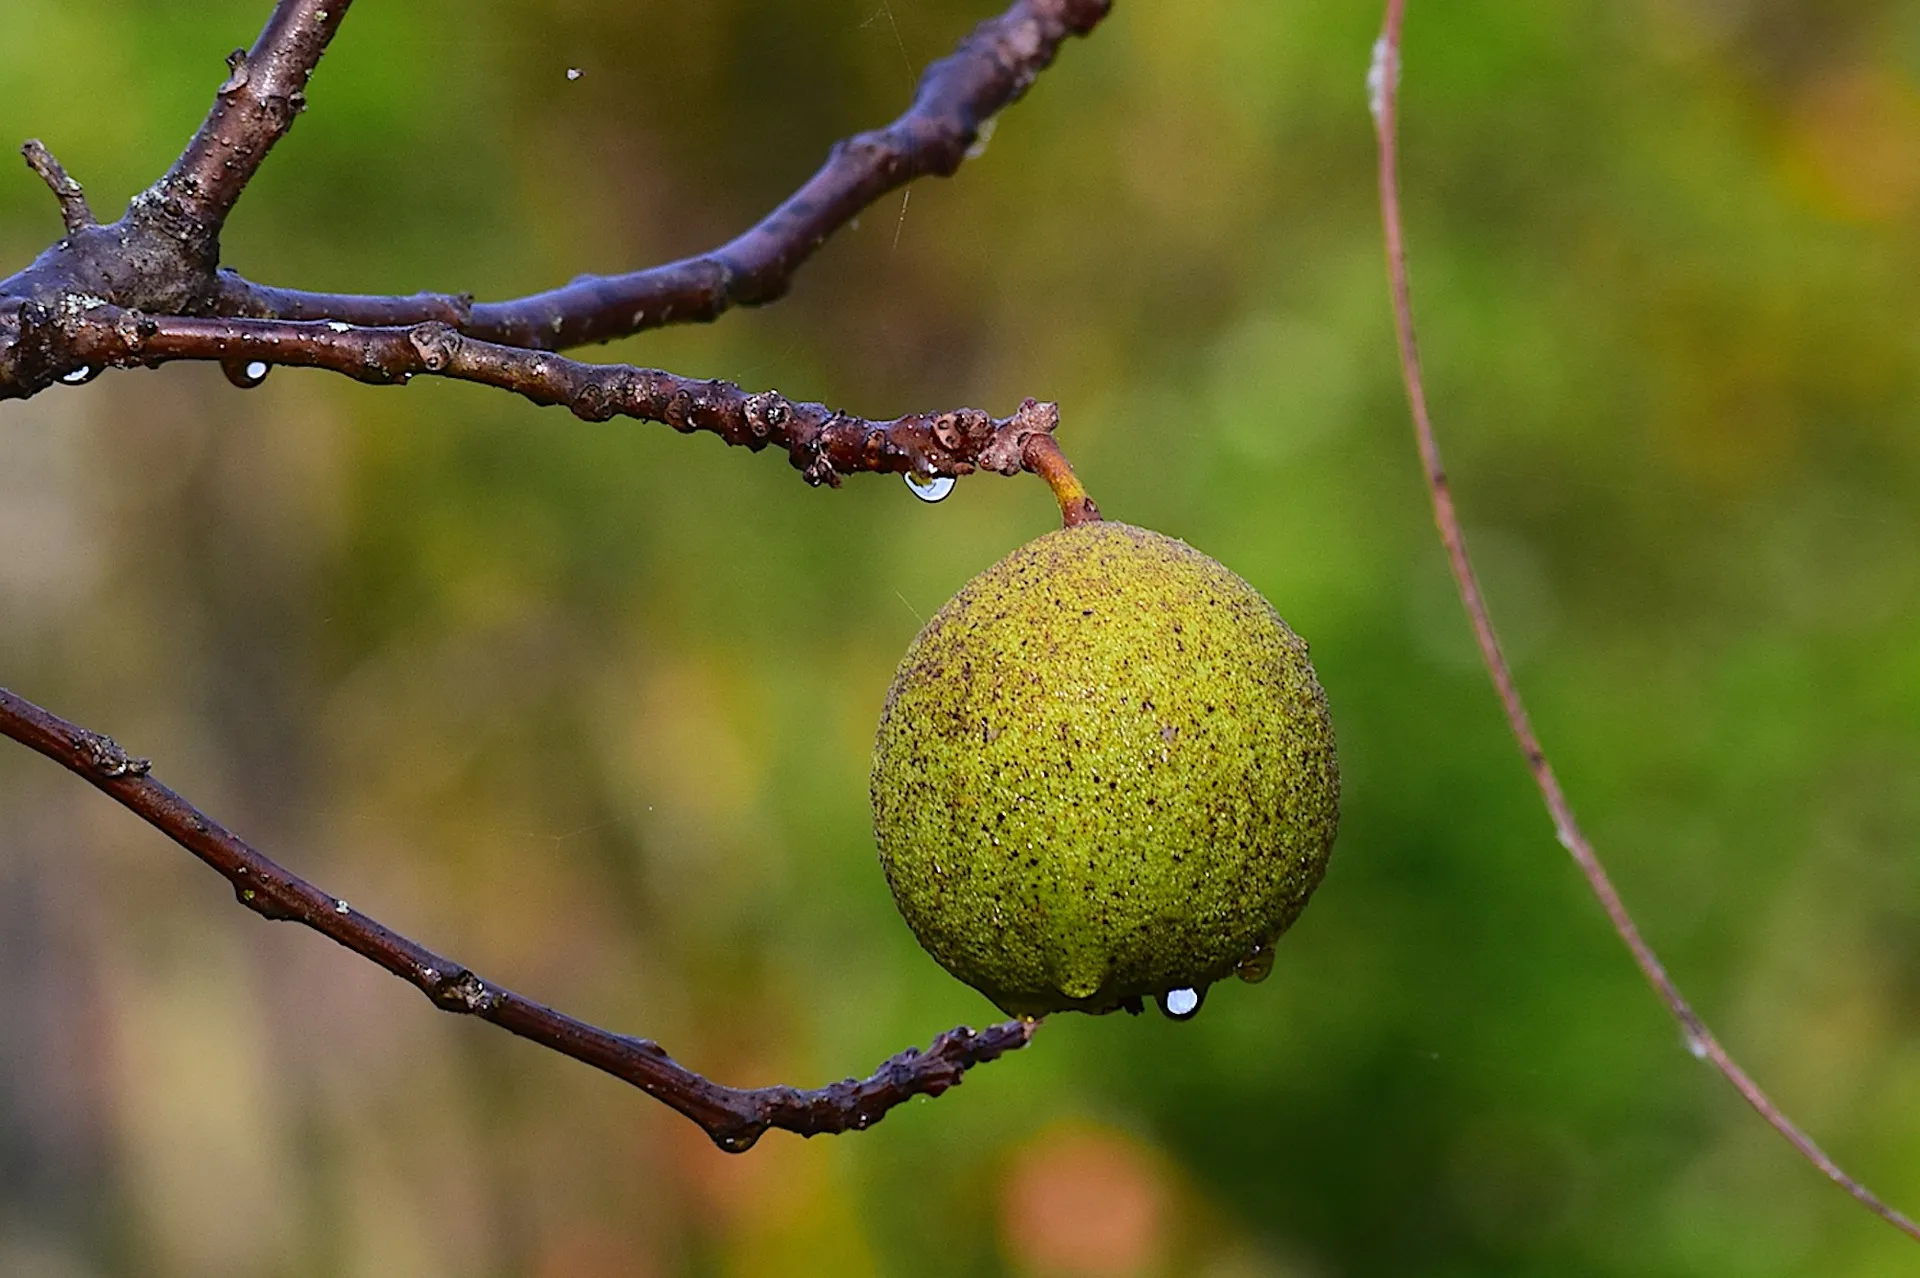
[1383,85]
[735,1118]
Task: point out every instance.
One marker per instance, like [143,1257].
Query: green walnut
[1104,773]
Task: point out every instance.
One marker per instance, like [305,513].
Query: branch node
[767,413]
[600,396]
[807,450]
[460,991]
[820,471]
[237,74]
[1006,453]
[435,343]
[134,328]
[104,755]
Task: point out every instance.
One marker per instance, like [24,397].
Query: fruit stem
[1043,457]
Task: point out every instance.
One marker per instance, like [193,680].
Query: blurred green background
[589,707]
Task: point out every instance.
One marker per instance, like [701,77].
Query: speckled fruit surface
[1104,771]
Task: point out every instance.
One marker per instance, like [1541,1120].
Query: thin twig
[265,90]
[75,213]
[734,1118]
[992,68]
[1383,83]
[823,444]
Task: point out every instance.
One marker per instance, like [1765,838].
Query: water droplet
[246,374]
[930,487]
[1696,1044]
[80,375]
[1180,1005]
[738,1142]
[574,73]
[1257,966]
[982,136]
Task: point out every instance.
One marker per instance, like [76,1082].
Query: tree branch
[1383,85]
[992,68]
[162,256]
[264,91]
[734,1118]
[823,444]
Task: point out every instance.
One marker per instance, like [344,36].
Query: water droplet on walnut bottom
[1181,1005]
[1257,966]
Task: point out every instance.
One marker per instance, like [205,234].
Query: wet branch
[1383,84]
[735,1118]
[992,68]
[148,288]
[823,444]
[265,90]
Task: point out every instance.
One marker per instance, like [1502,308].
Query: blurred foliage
[589,706]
